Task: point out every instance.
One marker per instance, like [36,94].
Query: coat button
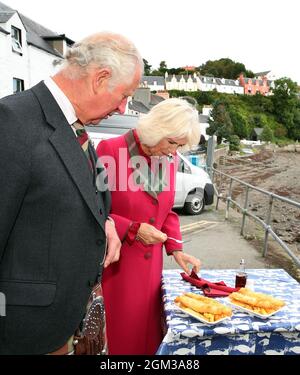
[147,255]
[99,242]
[152,220]
[154,202]
[100,211]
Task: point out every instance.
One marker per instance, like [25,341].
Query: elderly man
[54,225]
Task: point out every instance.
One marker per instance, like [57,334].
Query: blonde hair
[104,50]
[171,118]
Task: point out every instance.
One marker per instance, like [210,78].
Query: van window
[183,167]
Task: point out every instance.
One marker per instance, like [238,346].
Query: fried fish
[207,308]
[258,302]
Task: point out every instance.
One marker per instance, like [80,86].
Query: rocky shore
[277,172]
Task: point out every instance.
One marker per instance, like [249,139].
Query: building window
[18,85]
[16,39]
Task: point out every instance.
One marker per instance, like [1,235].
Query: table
[243,333]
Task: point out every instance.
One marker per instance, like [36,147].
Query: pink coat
[132,286]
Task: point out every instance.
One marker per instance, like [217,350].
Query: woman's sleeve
[106,152]
[171,227]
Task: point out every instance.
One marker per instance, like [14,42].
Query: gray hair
[104,50]
[171,118]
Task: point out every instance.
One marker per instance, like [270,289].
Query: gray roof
[160,80]
[135,105]
[179,77]
[262,73]
[155,99]
[36,33]
[219,81]
[258,131]
[5,16]
[3,31]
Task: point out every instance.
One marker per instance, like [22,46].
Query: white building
[202,83]
[269,74]
[154,83]
[203,119]
[181,82]
[28,52]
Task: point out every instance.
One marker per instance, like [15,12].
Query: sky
[262,34]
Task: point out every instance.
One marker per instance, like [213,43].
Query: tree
[224,68]
[234,143]
[161,70]
[240,125]
[267,134]
[162,67]
[280,131]
[147,68]
[286,105]
[219,122]
[176,71]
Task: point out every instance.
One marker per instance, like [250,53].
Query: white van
[194,189]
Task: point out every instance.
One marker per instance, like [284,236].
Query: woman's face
[167,146]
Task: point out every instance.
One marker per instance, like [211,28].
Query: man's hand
[113,244]
[149,235]
[184,259]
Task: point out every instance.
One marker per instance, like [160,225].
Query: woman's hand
[184,259]
[149,235]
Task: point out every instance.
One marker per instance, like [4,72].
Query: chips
[260,303]
[204,307]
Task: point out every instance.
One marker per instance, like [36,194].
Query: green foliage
[176,71]
[280,131]
[239,122]
[286,106]
[147,68]
[283,142]
[220,123]
[161,70]
[280,112]
[267,134]
[225,68]
[234,143]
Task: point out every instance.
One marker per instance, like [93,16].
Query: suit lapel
[69,150]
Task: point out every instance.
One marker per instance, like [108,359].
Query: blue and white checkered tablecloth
[243,333]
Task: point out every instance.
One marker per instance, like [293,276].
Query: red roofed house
[254,85]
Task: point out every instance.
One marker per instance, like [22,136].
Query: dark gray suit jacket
[52,237]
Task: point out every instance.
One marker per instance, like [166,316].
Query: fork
[175,239]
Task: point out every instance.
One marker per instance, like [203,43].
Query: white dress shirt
[62,101]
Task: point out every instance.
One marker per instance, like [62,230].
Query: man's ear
[100,77]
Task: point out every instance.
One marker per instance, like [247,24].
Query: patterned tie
[92,339]
[82,137]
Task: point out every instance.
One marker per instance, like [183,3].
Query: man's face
[106,101]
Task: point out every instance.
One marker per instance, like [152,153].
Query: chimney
[143,95]
[241,79]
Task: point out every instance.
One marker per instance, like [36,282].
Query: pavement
[216,242]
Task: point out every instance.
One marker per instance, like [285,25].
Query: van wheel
[195,206]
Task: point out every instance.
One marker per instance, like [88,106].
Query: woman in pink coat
[141,178]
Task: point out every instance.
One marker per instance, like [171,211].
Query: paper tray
[201,319]
[250,312]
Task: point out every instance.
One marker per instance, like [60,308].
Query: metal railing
[245,212]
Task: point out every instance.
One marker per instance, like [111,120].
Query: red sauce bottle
[241,275]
